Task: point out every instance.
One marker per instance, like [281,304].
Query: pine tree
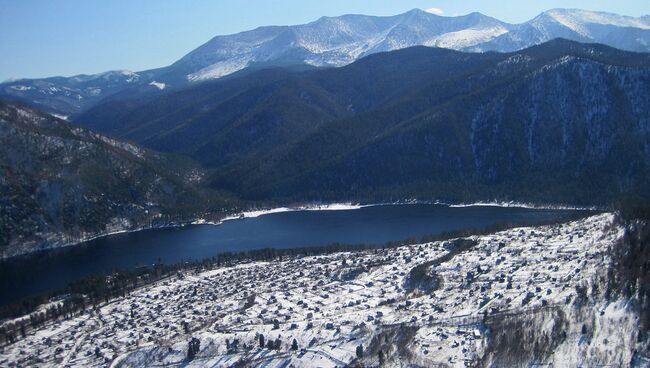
[359,351]
[294,345]
[193,348]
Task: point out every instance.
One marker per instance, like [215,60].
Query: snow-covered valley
[499,299]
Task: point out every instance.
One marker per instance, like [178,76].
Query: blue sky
[41,38]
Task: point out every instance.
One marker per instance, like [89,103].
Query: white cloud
[436,11]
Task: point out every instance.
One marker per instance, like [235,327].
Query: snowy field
[358,308]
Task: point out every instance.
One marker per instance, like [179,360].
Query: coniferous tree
[359,351]
[193,348]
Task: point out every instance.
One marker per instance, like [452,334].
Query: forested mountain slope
[60,184]
[561,121]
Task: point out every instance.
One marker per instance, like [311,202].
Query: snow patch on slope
[466,37]
[576,19]
[221,69]
[158,85]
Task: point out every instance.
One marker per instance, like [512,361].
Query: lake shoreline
[61,242]
[348,206]
[342,206]
[298,232]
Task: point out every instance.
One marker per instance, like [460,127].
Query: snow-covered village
[459,302]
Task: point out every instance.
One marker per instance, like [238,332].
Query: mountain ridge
[334,41]
[334,134]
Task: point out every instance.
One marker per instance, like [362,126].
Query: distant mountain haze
[334,41]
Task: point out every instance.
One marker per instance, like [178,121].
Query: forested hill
[60,184]
[558,122]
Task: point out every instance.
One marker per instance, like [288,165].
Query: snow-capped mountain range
[341,40]
[333,42]
[336,41]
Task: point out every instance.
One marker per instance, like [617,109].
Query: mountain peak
[578,18]
[417,11]
[418,14]
[338,41]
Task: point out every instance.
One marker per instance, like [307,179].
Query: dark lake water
[371,225]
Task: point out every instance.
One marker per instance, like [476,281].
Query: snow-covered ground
[322,207]
[332,304]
